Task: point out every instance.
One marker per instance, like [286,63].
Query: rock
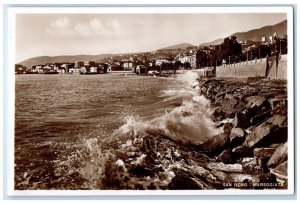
[279,156]
[242,151]
[281,171]
[226,157]
[215,144]
[278,105]
[267,133]
[227,127]
[228,107]
[237,136]
[217,114]
[219,166]
[252,165]
[275,145]
[255,101]
[183,181]
[229,96]
[279,120]
[241,119]
[263,152]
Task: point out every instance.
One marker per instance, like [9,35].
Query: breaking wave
[136,155]
[189,123]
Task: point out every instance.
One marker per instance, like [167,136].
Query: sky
[91,34]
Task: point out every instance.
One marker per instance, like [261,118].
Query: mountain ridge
[255,34]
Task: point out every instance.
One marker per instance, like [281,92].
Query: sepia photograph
[161,100]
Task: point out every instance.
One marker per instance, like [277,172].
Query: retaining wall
[254,68]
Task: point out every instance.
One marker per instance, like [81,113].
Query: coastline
[249,153]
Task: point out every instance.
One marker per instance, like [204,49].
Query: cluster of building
[80,67]
[141,63]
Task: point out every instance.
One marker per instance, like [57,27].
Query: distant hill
[64,58]
[67,58]
[179,46]
[256,34]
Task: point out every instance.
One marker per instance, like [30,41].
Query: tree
[201,59]
[230,47]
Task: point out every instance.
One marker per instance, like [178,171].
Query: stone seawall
[254,68]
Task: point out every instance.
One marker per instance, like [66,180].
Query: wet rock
[263,152]
[252,166]
[227,157]
[279,156]
[237,136]
[215,144]
[267,133]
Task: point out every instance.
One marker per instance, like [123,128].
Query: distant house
[269,39]
[38,69]
[127,65]
[191,59]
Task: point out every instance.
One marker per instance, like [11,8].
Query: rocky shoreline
[253,114]
[250,153]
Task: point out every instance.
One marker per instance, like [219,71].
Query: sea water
[72,130]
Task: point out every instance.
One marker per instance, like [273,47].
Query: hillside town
[230,51]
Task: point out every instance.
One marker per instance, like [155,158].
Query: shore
[253,114]
[249,153]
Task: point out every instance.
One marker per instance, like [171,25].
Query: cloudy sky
[72,34]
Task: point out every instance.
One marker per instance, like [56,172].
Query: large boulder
[228,107]
[215,144]
[279,156]
[273,130]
